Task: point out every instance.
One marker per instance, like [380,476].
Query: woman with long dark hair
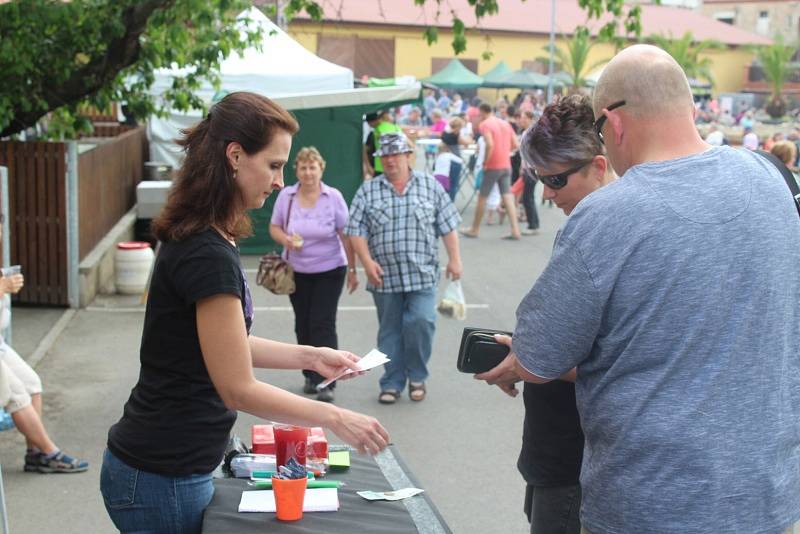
[197,354]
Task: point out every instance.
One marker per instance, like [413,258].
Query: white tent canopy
[162,132]
[283,70]
[281,67]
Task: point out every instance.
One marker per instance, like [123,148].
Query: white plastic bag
[453,304]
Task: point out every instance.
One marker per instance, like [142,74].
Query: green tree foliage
[575,59]
[622,24]
[775,60]
[57,55]
[686,51]
[625,20]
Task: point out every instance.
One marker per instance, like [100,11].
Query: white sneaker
[529,231]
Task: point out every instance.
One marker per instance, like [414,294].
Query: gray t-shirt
[675,291]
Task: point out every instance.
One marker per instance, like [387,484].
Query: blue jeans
[405,334]
[139,502]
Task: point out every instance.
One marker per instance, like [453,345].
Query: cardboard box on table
[263,439]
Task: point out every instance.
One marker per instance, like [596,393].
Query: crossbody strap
[787,176]
[286,228]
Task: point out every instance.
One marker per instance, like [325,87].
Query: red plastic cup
[289,497]
[290,442]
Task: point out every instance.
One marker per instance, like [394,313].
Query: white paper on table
[316,500]
[374,358]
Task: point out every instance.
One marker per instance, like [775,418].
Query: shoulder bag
[274,273]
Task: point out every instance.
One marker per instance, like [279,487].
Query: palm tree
[775,61]
[687,53]
[574,59]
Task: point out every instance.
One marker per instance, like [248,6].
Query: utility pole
[552,50]
[280,18]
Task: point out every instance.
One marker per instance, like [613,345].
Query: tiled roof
[530,16]
[754,2]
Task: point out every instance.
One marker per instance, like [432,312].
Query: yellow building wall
[729,68]
[307,39]
[413,54]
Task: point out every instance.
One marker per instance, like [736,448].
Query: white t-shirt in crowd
[442,164]
[715,138]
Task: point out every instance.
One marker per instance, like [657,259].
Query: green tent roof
[495,77]
[564,77]
[526,79]
[455,76]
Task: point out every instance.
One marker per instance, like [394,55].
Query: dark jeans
[315,300]
[554,510]
[529,203]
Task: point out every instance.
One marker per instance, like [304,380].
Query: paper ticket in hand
[396,495]
[374,358]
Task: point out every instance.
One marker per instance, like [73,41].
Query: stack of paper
[316,500]
[374,358]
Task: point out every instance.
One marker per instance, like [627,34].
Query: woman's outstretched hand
[331,363]
[363,432]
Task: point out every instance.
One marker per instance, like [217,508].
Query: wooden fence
[107,179]
[108,129]
[107,175]
[99,115]
[37,174]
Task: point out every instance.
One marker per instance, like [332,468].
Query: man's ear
[600,164]
[233,151]
[615,124]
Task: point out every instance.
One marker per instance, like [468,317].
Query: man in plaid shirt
[395,220]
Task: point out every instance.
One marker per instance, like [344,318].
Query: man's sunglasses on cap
[601,120]
[557,181]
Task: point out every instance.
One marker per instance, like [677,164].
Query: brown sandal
[416,392]
[389,396]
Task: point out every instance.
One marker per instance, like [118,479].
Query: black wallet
[479,351]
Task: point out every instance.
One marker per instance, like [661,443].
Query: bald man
[674,292]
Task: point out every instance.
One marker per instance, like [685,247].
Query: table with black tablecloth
[383,472]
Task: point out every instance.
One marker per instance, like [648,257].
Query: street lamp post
[552,50]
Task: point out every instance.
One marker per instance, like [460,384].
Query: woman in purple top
[319,253]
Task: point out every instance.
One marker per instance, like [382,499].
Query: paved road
[461,442]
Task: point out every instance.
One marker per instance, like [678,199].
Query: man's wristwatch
[351,269]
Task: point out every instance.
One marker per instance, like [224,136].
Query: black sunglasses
[557,181]
[601,120]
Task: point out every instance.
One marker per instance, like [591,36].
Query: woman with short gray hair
[564,152]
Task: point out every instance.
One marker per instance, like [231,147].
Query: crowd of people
[658,349]
[783,144]
[481,136]
[723,127]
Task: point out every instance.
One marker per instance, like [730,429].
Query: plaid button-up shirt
[402,230]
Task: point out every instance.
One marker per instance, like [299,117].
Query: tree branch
[98,72]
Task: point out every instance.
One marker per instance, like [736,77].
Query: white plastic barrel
[132,263]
